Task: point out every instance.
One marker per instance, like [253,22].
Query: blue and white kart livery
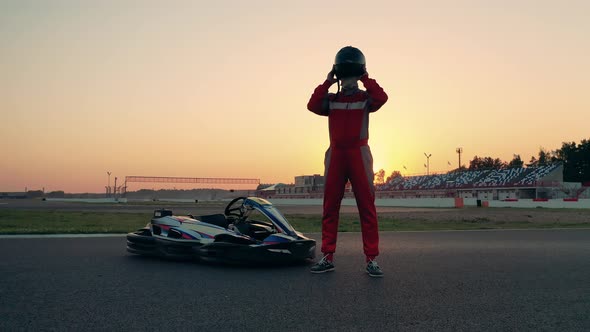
[234,236]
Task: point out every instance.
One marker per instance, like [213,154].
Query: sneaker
[324,265]
[374,270]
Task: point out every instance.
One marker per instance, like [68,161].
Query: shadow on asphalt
[216,264]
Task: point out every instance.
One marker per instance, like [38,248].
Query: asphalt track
[529,280]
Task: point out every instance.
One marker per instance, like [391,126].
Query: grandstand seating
[509,177]
[536,174]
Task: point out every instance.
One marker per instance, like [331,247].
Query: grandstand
[510,177]
[505,183]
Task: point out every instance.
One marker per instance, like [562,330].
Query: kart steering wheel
[235,211]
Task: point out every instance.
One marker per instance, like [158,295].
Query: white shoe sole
[324,271]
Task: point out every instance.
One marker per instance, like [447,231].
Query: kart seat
[215,219]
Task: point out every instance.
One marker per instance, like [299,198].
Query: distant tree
[34,193]
[544,157]
[380,176]
[584,153]
[394,175]
[516,162]
[478,163]
[576,161]
[568,155]
[460,169]
[533,162]
[57,194]
[475,163]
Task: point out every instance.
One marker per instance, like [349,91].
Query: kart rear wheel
[141,242]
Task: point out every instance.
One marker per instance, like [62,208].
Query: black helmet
[349,62]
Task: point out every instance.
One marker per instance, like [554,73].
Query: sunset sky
[219,88]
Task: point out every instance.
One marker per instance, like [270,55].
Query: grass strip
[80,222]
[69,222]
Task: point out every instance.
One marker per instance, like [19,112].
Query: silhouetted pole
[427,163]
[459,151]
[109,185]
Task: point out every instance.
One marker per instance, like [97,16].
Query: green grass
[69,222]
[78,222]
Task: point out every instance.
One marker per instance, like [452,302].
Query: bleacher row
[510,177]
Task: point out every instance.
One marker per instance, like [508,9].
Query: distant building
[304,186]
[13,195]
[309,183]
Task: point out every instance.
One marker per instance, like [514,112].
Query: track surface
[435,281]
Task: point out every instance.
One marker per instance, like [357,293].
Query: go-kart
[236,236]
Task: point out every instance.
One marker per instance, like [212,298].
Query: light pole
[109,184]
[427,163]
[459,151]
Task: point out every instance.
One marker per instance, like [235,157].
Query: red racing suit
[349,158]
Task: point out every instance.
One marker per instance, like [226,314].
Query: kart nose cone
[303,249]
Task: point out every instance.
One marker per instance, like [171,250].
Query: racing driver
[349,157]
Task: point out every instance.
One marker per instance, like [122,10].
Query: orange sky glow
[219,88]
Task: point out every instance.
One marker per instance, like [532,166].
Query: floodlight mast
[427,163]
[109,184]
